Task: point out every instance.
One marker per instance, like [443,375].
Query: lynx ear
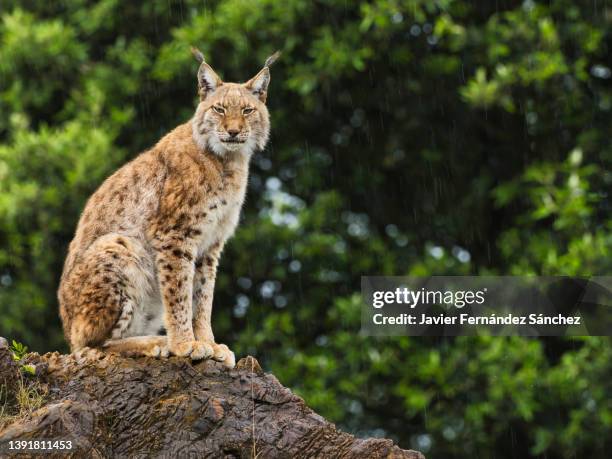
[259,83]
[208,80]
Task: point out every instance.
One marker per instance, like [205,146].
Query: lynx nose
[233,132]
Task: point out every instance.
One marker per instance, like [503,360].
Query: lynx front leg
[203,292]
[175,270]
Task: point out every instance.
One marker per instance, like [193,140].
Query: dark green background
[409,137]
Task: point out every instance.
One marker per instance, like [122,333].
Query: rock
[113,406]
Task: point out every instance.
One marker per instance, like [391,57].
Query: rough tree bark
[113,406]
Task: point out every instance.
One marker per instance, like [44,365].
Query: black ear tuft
[197,54]
[272,59]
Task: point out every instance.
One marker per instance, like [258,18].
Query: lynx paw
[158,351]
[195,349]
[224,355]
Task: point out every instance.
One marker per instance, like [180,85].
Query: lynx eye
[219,110]
[247,110]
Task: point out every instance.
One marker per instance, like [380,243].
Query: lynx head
[231,117]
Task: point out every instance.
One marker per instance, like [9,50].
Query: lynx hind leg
[115,275]
[135,346]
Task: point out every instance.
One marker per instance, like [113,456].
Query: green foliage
[409,137]
[18,350]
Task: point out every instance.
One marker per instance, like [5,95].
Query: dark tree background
[409,137]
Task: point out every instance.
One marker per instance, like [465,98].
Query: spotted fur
[145,254]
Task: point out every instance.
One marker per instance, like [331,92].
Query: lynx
[144,257]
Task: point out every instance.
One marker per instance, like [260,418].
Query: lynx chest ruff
[218,217]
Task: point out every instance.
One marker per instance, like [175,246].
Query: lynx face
[231,117]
